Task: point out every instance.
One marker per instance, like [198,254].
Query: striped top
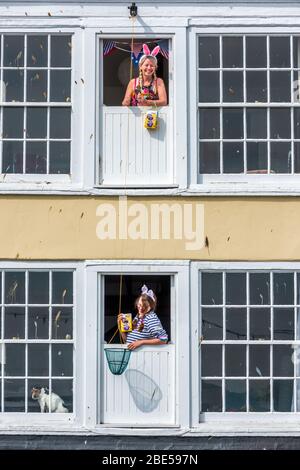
[152,329]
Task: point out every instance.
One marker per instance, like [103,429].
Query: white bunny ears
[147,53]
[149,292]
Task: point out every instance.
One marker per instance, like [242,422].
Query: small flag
[164,48]
[108,46]
[136,49]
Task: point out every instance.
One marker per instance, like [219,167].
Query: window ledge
[244,429]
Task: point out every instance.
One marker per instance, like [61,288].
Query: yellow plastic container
[150,120]
[125,325]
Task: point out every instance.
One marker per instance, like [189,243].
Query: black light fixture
[132,10]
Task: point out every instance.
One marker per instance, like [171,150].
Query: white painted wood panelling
[145,393]
[131,154]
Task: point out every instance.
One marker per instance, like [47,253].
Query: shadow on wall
[145,392]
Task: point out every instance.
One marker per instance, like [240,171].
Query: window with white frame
[250,327]
[248,104]
[36,341]
[35,95]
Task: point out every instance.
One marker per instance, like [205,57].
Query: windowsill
[245,429]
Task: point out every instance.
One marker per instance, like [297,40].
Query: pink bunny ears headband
[147,53]
[149,292]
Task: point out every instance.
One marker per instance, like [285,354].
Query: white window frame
[58,182]
[226,422]
[237,183]
[95,271]
[92,134]
[56,421]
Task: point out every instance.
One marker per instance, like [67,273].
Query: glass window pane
[37,51]
[60,157]
[61,50]
[33,404]
[297,123]
[14,322]
[259,288]
[260,326]
[14,396]
[211,360]
[62,323]
[60,85]
[296,47]
[209,87]
[14,364]
[283,365]
[232,52]
[256,123]
[212,323]
[38,291]
[256,52]
[36,127]
[209,52]
[13,123]
[283,288]
[280,120]
[60,123]
[38,360]
[233,127]
[233,87]
[14,85]
[259,395]
[259,360]
[13,51]
[256,87]
[233,157]
[280,87]
[38,323]
[14,287]
[62,360]
[12,155]
[36,85]
[283,395]
[64,389]
[281,157]
[209,123]
[235,395]
[209,157]
[236,288]
[284,323]
[298,288]
[296,87]
[279,52]
[62,287]
[297,157]
[236,323]
[36,157]
[211,288]
[235,360]
[257,157]
[297,395]
[211,395]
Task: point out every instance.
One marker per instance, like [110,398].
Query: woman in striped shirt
[147,328]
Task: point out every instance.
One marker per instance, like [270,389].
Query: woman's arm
[162,95]
[127,98]
[141,342]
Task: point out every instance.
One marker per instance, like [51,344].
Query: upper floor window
[35,96]
[248,101]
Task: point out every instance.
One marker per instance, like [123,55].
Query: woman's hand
[135,344]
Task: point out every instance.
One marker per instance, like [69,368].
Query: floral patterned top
[147,90]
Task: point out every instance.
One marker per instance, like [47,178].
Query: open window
[130,154]
[131,289]
[120,65]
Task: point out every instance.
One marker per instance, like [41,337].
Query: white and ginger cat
[48,400]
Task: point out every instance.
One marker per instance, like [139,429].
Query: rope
[125,182]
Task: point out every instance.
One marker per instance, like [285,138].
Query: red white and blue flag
[108,46]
